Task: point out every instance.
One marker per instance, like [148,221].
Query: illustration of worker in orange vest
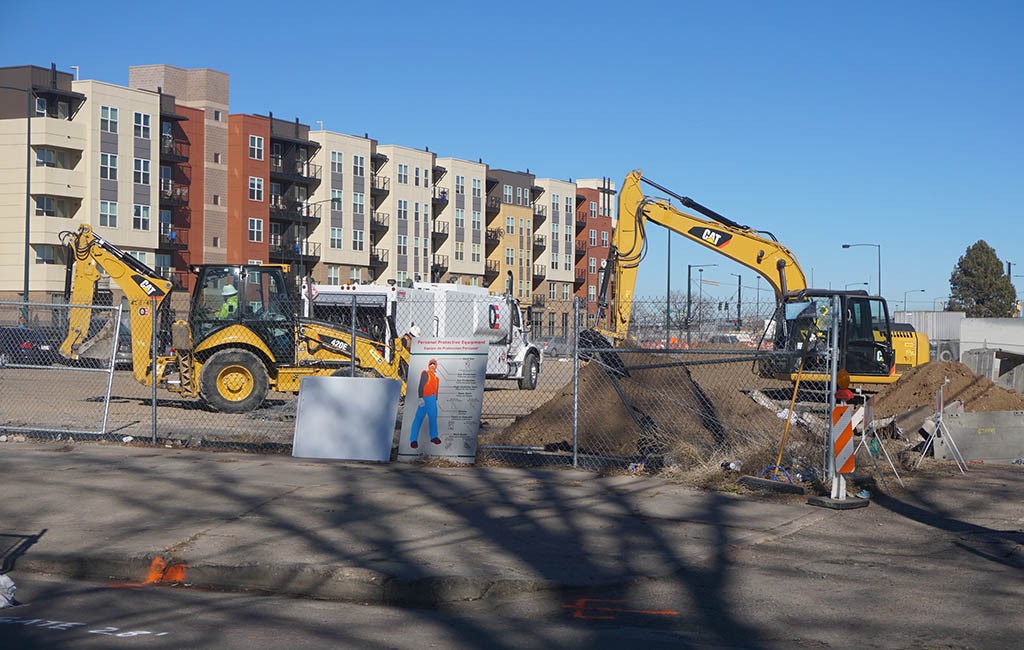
[428,405]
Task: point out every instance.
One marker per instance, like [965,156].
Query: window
[568,261]
[506,194]
[51,158]
[460,218]
[416,211]
[592,265]
[256,147]
[108,166]
[460,184]
[403,174]
[255,230]
[48,206]
[216,116]
[554,231]
[554,261]
[403,244]
[140,218]
[337,237]
[403,209]
[333,274]
[140,255]
[215,241]
[357,240]
[358,166]
[358,203]
[108,119]
[163,264]
[336,200]
[355,275]
[476,187]
[476,220]
[552,291]
[255,188]
[108,214]
[593,209]
[568,208]
[142,171]
[460,251]
[336,162]
[510,256]
[142,125]
[476,253]
[215,199]
[426,177]
[591,293]
[401,276]
[47,254]
[604,239]
[519,196]
[555,200]
[593,237]
[216,157]
[510,225]
[40,106]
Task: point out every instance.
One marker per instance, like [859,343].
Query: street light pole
[878,250]
[739,299]
[909,292]
[668,292]
[855,284]
[28,192]
[689,285]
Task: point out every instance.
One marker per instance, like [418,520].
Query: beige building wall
[464,183]
[347,258]
[206,90]
[410,173]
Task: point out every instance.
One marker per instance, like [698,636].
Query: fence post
[111,368]
[575,380]
[352,341]
[152,369]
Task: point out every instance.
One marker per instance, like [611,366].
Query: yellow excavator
[870,350]
[242,337]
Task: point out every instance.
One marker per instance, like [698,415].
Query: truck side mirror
[529,319]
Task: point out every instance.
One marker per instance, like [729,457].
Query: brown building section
[191,217]
[593,235]
[248,189]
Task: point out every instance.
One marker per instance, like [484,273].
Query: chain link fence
[229,364]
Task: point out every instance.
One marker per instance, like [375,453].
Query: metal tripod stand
[940,427]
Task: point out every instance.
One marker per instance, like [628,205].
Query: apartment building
[555,246]
[194,192]
[595,198]
[43,179]
[510,214]
[458,230]
[352,226]
[405,250]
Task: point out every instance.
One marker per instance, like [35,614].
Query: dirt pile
[915,391]
[695,411]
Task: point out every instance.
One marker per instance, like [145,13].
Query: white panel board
[346,418]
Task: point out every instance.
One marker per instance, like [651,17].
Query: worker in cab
[230,306]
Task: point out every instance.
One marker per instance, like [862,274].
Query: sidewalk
[396,533]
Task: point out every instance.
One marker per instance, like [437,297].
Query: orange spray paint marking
[159,572]
[589,609]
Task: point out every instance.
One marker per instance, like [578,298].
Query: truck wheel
[530,371]
[234,381]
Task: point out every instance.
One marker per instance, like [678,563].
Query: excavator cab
[255,297]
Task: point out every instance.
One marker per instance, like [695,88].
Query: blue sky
[897,123]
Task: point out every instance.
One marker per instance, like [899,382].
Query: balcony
[173,194]
[172,150]
[581,222]
[439,265]
[580,279]
[439,233]
[439,199]
[540,242]
[493,238]
[538,301]
[378,257]
[173,238]
[491,270]
[581,250]
[540,271]
[307,214]
[439,172]
[294,170]
[380,186]
[540,214]
[289,249]
[493,205]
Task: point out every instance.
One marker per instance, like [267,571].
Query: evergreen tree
[979,286]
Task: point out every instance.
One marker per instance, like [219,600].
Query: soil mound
[701,409]
[915,391]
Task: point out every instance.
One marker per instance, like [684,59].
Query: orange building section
[589,211]
[241,207]
[194,131]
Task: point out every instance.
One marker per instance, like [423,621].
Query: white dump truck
[437,310]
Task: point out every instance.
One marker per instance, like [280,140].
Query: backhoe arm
[764,255]
[144,288]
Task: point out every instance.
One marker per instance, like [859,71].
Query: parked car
[97,354]
[27,346]
[554,346]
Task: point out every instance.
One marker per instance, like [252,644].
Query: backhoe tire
[234,381]
[531,369]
